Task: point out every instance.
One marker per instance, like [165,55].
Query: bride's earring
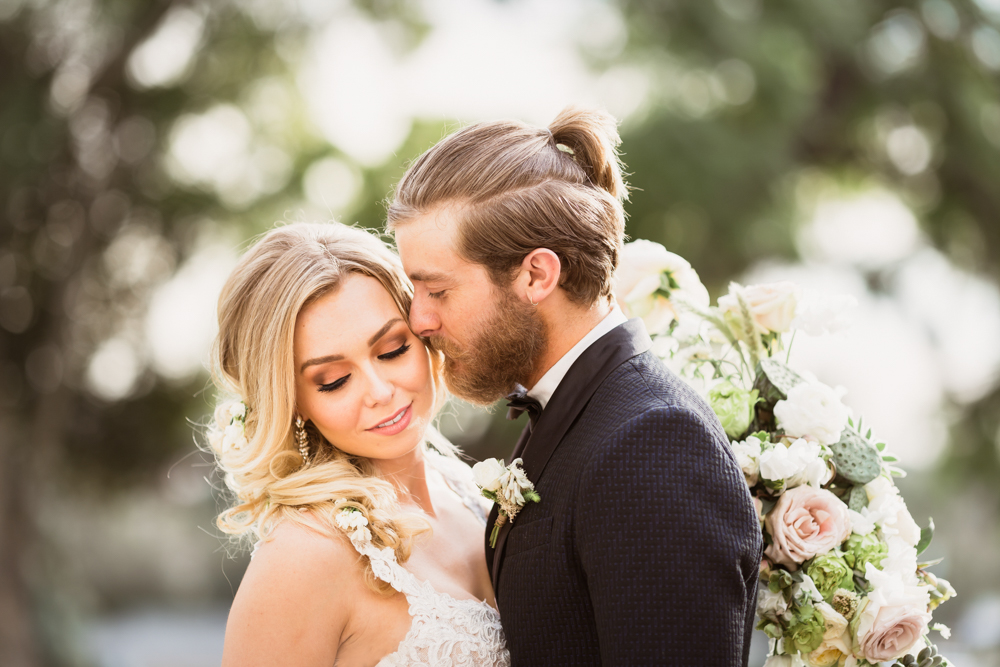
[301,439]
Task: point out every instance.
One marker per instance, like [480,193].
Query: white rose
[748,457]
[238,410]
[487,474]
[638,278]
[813,409]
[772,306]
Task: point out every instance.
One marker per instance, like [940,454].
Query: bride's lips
[402,418]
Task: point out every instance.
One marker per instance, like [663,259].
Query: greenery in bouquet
[841,581]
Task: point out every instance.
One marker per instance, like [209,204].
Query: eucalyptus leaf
[926,535]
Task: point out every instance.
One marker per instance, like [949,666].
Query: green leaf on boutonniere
[489,495]
[531,496]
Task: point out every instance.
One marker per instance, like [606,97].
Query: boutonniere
[507,486]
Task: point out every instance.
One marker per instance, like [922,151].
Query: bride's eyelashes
[398,352]
[336,384]
[388,356]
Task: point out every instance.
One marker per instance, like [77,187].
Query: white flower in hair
[230,420]
[353,522]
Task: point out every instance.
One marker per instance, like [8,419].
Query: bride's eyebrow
[383,331]
[337,357]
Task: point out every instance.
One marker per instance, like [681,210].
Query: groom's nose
[424,321]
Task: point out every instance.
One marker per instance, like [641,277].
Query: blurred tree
[749,96]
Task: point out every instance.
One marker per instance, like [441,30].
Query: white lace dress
[446,632]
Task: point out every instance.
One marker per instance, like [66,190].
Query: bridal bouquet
[841,582]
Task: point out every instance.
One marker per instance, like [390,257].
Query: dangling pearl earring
[301,439]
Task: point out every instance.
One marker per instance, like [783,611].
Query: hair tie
[551,136]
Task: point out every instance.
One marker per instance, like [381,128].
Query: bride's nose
[380,389]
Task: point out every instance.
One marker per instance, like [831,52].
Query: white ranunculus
[798,463]
[818,313]
[772,306]
[488,473]
[887,509]
[813,409]
[638,278]
[748,457]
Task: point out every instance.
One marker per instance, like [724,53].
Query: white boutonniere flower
[507,486]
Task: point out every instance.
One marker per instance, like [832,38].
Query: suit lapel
[570,398]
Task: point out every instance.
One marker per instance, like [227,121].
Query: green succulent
[926,658]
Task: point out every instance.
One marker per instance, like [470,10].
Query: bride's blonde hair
[284,271]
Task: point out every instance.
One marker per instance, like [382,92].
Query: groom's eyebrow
[421,277]
[337,357]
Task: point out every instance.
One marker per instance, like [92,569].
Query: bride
[369,529]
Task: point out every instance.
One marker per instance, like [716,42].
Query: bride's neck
[409,475]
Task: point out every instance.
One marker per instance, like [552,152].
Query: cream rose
[806,521]
[772,306]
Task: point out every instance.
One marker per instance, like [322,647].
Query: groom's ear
[539,276]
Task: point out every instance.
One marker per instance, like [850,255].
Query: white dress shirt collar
[546,386]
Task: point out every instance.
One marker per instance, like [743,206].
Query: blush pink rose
[894,633]
[805,522]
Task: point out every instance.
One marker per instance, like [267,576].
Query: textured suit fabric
[645,547]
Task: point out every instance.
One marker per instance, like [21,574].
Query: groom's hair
[516,188]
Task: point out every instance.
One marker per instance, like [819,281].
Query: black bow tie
[519,401]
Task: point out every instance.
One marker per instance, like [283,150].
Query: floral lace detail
[445,632]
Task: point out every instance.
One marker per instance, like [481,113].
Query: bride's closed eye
[388,356]
[398,352]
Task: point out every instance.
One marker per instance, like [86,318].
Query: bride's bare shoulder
[296,596]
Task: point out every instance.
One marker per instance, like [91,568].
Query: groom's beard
[502,352]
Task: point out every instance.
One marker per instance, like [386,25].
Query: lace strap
[383,561]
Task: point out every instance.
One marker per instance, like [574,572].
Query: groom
[645,546]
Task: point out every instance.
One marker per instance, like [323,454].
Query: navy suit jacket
[645,547]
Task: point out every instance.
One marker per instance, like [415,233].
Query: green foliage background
[716,187]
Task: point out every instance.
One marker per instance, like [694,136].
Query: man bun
[592,136]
